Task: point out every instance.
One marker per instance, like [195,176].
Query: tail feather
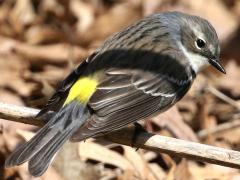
[40,161]
[40,150]
[28,149]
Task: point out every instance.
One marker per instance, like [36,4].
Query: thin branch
[220,128]
[157,143]
[223,97]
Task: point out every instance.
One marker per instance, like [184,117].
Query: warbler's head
[196,38]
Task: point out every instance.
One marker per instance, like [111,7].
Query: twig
[223,97]
[157,143]
[220,128]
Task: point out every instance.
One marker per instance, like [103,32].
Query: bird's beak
[215,63]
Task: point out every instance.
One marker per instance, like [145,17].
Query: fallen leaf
[69,166]
[21,15]
[27,135]
[158,171]
[119,16]
[182,171]
[140,165]
[53,6]
[39,34]
[210,171]
[53,53]
[90,150]
[231,81]
[173,121]
[84,13]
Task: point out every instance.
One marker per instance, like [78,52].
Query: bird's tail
[40,150]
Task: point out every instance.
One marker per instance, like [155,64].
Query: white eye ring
[200,43]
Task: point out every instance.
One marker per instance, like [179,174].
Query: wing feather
[142,95]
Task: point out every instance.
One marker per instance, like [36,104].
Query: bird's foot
[137,130]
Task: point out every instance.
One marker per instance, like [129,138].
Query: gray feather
[40,150]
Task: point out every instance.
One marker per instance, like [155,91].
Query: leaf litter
[42,41]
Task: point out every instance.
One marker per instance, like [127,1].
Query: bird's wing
[126,96]
[58,98]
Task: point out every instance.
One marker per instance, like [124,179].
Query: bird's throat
[196,61]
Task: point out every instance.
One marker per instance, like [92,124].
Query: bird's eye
[200,43]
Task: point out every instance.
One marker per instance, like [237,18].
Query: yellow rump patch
[82,90]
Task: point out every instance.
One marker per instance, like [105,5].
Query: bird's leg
[138,128]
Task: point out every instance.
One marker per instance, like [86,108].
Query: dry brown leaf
[170,174]
[22,87]
[149,7]
[168,160]
[210,171]
[26,23]
[26,135]
[128,174]
[231,81]
[52,6]
[22,15]
[52,74]
[84,13]
[12,68]
[49,174]
[202,116]
[141,167]
[69,166]
[236,8]
[118,17]
[210,122]
[4,11]
[91,150]
[54,53]
[150,155]
[173,121]
[231,136]
[198,85]
[188,110]
[182,171]
[158,171]
[10,139]
[10,97]
[43,34]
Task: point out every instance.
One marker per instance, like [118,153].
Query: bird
[136,73]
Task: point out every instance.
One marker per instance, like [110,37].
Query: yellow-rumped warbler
[137,73]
